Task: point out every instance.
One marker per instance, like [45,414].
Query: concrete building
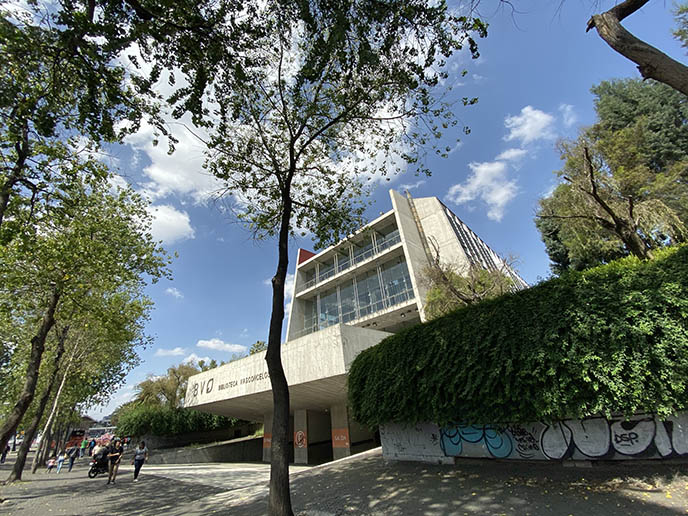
[346,298]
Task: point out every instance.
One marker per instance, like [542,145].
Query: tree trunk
[44,450]
[29,389]
[53,411]
[652,63]
[30,433]
[280,498]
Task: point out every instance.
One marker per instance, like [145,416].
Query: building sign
[340,438]
[300,439]
[207,386]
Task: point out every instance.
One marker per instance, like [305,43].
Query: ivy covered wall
[612,340]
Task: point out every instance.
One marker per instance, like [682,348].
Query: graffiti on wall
[642,436]
[417,442]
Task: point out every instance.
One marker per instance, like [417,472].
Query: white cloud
[220,345]
[412,186]
[532,124]
[174,352]
[193,357]
[478,78]
[179,173]
[489,183]
[568,115]
[288,291]
[174,293]
[455,148]
[169,224]
[116,181]
[511,155]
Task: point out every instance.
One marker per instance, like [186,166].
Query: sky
[533,82]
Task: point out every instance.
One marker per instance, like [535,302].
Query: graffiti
[494,440]
[416,442]
[641,436]
[526,443]
[601,438]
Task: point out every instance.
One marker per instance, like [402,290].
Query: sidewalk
[364,484]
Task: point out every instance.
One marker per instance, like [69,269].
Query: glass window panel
[369,293]
[343,259]
[310,315]
[329,308]
[348,303]
[397,283]
[326,270]
[363,249]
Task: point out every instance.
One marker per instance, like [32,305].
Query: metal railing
[391,240]
[371,308]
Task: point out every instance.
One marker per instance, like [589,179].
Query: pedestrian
[51,463]
[60,460]
[72,453]
[140,456]
[84,445]
[91,445]
[115,452]
[4,453]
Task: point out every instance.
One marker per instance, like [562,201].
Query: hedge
[153,420]
[609,340]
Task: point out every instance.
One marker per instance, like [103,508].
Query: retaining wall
[247,449]
[212,436]
[643,436]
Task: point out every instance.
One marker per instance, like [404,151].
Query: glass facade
[367,293]
[364,248]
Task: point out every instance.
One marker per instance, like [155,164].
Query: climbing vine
[613,339]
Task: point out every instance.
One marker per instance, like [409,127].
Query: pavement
[363,484]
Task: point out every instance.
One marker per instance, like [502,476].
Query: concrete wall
[416,259]
[244,450]
[642,437]
[437,228]
[175,441]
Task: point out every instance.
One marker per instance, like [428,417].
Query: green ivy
[613,339]
[144,419]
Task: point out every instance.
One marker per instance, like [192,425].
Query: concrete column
[267,437]
[341,442]
[300,437]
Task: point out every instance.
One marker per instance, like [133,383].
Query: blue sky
[533,80]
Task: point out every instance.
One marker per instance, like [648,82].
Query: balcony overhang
[315,365]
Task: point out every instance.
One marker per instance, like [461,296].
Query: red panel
[303,256]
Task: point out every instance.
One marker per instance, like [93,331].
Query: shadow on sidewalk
[371,486]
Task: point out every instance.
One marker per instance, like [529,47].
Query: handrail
[371,308]
[391,240]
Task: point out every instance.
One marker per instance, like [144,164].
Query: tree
[652,63]
[257,347]
[453,285]
[85,240]
[611,199]
[168,390]
[301,119]
[56,83]
[625,180]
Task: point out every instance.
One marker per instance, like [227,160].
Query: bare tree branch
[652,63]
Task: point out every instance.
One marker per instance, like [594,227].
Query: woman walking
[140,456]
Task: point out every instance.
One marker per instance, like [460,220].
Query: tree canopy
[624,185]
